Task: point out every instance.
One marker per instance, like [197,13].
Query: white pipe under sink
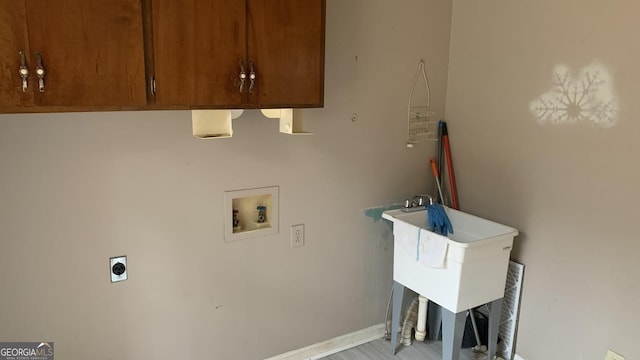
[421,326]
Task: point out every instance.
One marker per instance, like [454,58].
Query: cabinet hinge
[152,85]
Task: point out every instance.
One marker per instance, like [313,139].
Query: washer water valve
[262,214]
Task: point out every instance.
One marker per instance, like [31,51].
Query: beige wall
[77,189]
[571,190]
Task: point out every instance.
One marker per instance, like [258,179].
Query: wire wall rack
[420,121]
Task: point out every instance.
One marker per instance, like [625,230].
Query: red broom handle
[452,177]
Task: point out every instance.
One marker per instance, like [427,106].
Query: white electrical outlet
[613,356]
[297,235]
[118,268]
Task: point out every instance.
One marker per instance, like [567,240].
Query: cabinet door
[92,51]
[13,40]
[198,47]
[286,44]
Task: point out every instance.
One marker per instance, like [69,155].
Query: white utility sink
[475,267]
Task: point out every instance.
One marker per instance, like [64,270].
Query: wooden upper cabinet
[13,41]
[92,52]
[161,54]
[201,48]
[286,43]
[198,47]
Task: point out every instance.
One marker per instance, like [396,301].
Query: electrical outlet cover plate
[118,268]
[613,356]
[297,235]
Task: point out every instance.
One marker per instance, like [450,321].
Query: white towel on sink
[432,249]
[405,238]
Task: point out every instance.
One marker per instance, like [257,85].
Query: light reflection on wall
[587,98]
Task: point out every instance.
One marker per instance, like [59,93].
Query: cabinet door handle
[252,76]
[243,76]
[40,72]
[24,72]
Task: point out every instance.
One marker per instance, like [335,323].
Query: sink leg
[434,320]
[452,332]
[495,312]
[398,294]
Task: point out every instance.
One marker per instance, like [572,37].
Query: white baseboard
[332,346]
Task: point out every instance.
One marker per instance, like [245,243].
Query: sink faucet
[417,203]
[419,200]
